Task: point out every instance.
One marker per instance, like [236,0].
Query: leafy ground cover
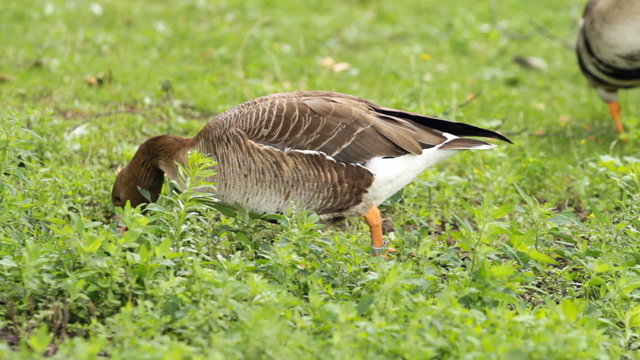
[525,251]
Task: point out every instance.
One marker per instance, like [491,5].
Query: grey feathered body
[321,151]
[608,45]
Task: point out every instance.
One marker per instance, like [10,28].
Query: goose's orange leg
[614,109]
[378,245]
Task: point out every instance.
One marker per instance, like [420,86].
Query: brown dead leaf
[99,79]
[91,81]
[471,96]
[327,62]
[5,78]
[540,106]
[331,64]
[208,54]
[36,63]
[564,120]
[341,66]
[531,62]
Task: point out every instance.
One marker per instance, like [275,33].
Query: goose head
[145,172]
[132,180]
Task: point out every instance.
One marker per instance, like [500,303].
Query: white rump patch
[392,174]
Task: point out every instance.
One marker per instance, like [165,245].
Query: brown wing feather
[463,143]
[348,128]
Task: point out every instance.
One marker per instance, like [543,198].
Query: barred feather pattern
[264,179]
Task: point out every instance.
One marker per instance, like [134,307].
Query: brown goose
[609,49]
[335,154]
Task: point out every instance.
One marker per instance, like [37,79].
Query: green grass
[526,251]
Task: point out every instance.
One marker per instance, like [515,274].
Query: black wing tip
[501,137]
[463,129]
[478,131]
[448,126]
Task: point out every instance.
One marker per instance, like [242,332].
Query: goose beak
[122,229]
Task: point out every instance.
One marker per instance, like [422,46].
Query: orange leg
[378,245]
[614,109]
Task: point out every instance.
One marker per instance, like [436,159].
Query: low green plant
[527,251]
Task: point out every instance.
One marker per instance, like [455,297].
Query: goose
[333,154]
[608,49]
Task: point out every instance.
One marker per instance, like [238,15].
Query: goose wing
[344,127]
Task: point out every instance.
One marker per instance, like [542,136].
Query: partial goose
[609,49]
[335,154]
